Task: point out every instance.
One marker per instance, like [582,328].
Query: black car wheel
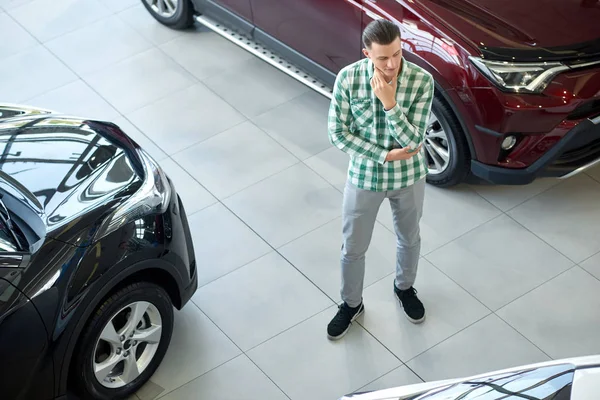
[124,342]
[446,148]
[177,14]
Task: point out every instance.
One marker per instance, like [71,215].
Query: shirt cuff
[395,111]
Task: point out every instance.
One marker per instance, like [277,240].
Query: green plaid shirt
[359,125]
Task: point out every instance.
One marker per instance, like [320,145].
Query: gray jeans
[359,215]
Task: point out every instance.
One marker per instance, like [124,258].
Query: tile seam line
[573,264]
[537,287]
[245,121]
[43,44]
[313,316]
[386,373]
[84,81]
[271,246]
[494,312]
[153,46]
[201,81]
[431,347]
[461,235]
[592,177]
[523,336]
[242,352]
[489,311]
[205,83]
[240,349]
[191,77]
[82,76]
[9,13]
[277,249]
[588,272]
[542,239]
[223,199]
[253,348]
[590,257]
[533,197]
[91,87]
[118,14]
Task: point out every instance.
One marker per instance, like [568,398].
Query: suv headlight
[153,197]
[519,77]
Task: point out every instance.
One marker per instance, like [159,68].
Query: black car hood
[62,164]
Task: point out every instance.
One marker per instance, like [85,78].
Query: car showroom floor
[509,275]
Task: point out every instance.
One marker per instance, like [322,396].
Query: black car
[95,250]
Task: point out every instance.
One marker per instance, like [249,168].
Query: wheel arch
[155,271]
[445,97]
[445,90]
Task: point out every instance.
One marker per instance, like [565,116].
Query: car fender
[155,270]
[448,93]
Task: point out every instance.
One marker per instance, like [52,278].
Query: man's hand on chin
[385,92]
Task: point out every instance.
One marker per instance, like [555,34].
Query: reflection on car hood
[63,162]
[551,29]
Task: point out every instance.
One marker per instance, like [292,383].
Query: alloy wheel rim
[127,344]
[164,8]
[436,146]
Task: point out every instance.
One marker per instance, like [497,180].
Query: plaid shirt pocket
[363,113]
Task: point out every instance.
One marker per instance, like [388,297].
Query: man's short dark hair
[380,31]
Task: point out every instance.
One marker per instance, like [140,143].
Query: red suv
[517,82]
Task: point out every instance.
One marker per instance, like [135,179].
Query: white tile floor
[509,275]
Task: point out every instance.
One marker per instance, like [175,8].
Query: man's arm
[339,122]
[409,129]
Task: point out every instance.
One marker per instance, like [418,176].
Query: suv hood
[525,30]
[63,164]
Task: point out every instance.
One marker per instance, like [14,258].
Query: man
[378,115]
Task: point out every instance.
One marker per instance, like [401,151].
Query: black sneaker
[340,324]
[415,312]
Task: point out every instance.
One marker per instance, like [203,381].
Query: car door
[27,370]
[328,32]
[239,7]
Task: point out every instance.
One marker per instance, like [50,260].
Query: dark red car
[517,82]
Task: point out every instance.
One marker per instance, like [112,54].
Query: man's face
[388,58]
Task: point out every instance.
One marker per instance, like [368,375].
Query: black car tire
[459,164]
[85,380]
[182,19]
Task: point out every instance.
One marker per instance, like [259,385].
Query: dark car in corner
[517,82]
[95,252]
